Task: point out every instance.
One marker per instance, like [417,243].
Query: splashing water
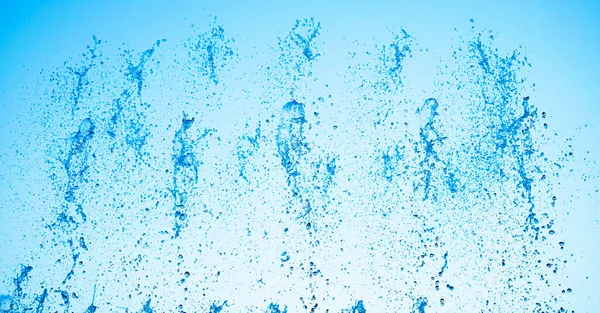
[279,167]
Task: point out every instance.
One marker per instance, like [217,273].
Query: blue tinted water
[291,169]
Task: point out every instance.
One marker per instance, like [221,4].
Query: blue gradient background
[560,38]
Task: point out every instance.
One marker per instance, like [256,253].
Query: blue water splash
[76,251]
[129,108]
[185,172]
[303,34]
[137,137]
[215,308]
[357,308]
[92,308]
[136,70]
[128,122]
[274,308]
[41,300]
[74,256]
[299,48]
[20,301]
[510,118]
[23,275]
[147,308]
[429,138]
[210,52]
[246,148]
[76,161]
[119,104]
[323,173]
[310,174]
[66,299]
[76,165]
[81,74]
[291,143]
[518,136]
[391,62]
[391,160]
[445,264]
[308,184]
[419,306]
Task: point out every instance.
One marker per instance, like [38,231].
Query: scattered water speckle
[290,178]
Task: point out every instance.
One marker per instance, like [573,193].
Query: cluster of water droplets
[370,199]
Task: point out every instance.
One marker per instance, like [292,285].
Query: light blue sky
[560,38]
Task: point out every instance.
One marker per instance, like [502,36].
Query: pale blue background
[562,39]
